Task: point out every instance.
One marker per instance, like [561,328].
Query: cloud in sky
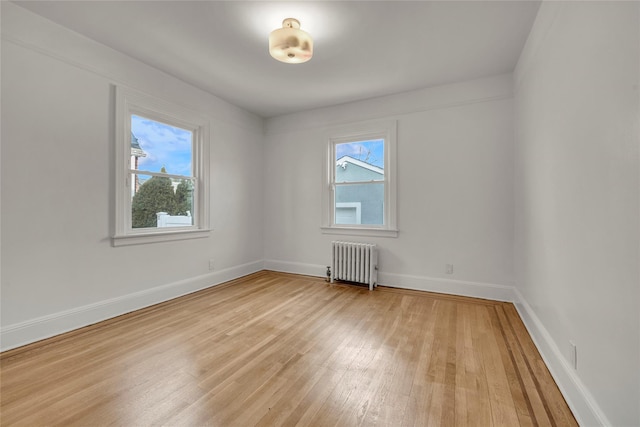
[164,145]
[371,152]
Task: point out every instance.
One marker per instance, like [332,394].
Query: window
[360,181]
[161,171]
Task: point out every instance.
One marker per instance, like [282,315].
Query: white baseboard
[578,397]
[448,286]
[420,283]
[23,333]
[295,267]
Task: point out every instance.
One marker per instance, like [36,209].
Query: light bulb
[290,44]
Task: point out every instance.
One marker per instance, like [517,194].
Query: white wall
[455,196]
[59,270]
[577,212]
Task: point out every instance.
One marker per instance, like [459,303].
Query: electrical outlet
[449,268]
[212,264]
[573,355]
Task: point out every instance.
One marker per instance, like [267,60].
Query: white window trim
[382,129]
[128,102]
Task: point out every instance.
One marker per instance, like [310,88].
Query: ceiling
[361,49]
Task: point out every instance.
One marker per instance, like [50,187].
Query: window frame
[129,102]
[385,130]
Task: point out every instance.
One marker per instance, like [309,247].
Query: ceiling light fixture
[290,44]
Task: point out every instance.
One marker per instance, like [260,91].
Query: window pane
[161,202]
[359,204]
[360,161]
[156,145]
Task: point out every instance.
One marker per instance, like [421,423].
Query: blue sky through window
[371,151]
[164,145]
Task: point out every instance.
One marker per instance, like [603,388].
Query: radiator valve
[328,273]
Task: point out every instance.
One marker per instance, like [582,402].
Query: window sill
[139,239]
[374,232]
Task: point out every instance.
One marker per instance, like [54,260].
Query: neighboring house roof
[136,150]
[342,162]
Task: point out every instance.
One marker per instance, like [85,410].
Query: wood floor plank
[275,349]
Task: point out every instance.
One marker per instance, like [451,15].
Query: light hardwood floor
[277,349]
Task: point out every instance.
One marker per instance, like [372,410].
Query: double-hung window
[161,153]
[360,180]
